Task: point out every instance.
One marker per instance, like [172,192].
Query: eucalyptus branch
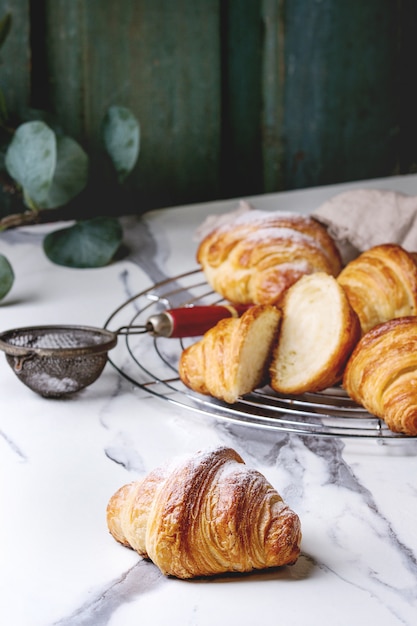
[27,218]
[40,167]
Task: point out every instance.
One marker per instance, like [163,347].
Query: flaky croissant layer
[381,373]
[232,358]
[207,515]
[381,284]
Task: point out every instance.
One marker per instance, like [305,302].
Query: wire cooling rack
[151,364]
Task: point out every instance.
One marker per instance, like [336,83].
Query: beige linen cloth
[357,220]
[362,218]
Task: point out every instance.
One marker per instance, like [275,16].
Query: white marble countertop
[61,460]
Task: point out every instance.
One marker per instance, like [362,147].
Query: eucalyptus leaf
[88,243]
[31,161]
[121,135]
[6,276]
[5,26]
[71,172]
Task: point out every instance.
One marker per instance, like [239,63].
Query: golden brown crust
[381,284]
[318,332]
[256,257]
[211,514]
[232,358]
[381,374]
[129,508]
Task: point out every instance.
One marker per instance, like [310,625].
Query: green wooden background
[234,97]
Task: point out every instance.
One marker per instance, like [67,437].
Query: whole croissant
[232,358]
[381,284]
[208,515]
[381,374]
[255,257]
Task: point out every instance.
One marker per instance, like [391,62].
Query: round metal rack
[151,364]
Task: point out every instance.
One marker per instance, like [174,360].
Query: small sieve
[56,361]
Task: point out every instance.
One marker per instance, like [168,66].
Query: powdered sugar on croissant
[255,257]
[207,515]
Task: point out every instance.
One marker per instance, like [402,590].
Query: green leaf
[121,134]
[6,276]
[5,26]
[31,161]
[71,172]
[88,243]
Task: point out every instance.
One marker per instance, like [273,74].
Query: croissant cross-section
[206,515]
[233,357]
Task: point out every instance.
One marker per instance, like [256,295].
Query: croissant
[207,515]
[232,358]
[381,284]
[381,374]
[319,330]
[254,258]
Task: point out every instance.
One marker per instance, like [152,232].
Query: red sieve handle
[191,321]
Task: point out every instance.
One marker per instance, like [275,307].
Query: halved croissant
[208,515]
[232,358]
[319,330]
[381,374]
[255,258]
[381,284]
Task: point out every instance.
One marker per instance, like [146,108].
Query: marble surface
[61,460]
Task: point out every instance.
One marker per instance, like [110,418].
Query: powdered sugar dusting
[232,467]
[301,265]
[51,385]
[192,460]
[212,222]
[268,233]
[245,214]
[254,216]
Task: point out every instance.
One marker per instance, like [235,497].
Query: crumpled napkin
[362,218]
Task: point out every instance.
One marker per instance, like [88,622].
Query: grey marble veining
[61,460]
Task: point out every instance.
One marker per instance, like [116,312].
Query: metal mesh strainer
[57,360]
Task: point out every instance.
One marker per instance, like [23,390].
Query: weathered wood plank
[15,56]
[162,60]
[241,97]
[14,83]
[341,91]
[273,73]
[234,98]
[407,93]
